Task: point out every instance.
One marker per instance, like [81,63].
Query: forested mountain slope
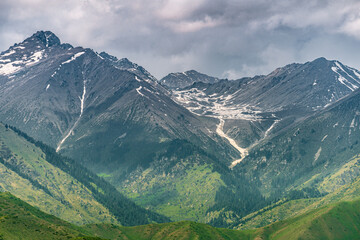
[38,175]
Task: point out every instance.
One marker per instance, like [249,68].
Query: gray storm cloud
[224,38]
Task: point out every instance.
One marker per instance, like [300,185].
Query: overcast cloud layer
[223,38]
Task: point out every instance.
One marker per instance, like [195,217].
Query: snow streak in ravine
[243,151]
[82,101]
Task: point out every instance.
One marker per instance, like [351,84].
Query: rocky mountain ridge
[264,105]
[195,153]
[184,79]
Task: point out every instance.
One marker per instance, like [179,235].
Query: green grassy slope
[276,212]
[185,196]
[57,185]
[343,185]
[19,220]
[184,230]
[337,221]
[186,183]
[26,174]
[175,230]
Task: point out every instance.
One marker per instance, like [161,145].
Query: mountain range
[186,147]
[112,117]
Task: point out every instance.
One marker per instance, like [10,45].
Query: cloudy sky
[223,38]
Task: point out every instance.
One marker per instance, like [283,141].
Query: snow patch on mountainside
[82,102]
[19,47]
[8,67]
[214,105]
[35,58]
[270,128]
[317,154]
[356,73]
[342,69]
[11,52]
[323,139]
[138,91]
[338,69]
[243,151]
[73,58]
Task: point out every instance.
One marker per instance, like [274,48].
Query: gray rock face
[185,79]
[125,64]
[309,86]
[90,106]
[284,96]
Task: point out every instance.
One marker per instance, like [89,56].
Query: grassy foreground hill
[19,220]
[335,221]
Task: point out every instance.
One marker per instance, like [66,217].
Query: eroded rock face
[81,103]
[186,79]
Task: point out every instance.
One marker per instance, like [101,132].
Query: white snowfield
[8,67]
[214,105]
[11,52]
